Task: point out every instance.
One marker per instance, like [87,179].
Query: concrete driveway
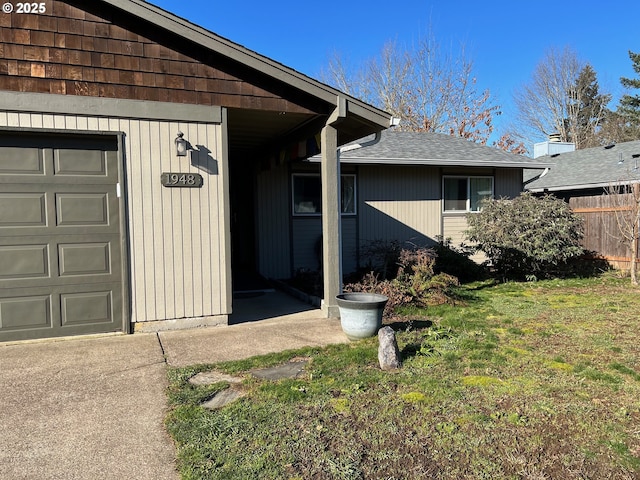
[85,409]
[93,407]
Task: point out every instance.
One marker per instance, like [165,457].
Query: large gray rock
[388,352]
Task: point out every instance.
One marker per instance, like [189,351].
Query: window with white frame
[465,194]
[307,194]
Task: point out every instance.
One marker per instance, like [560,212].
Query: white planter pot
[361,314]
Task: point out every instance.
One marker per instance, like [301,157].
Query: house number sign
[170,179]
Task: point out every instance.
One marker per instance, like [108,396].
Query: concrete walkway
[93,407]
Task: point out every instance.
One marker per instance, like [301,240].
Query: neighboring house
[110,220]
[581,178]
[409,187]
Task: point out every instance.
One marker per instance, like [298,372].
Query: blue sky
[505,39]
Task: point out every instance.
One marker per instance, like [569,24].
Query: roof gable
[243,56]
[95,51]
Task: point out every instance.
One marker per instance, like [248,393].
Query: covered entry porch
[261,223]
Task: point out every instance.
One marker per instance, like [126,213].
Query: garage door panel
[84,259]
[40,210]
[39,312]
[65,260]
[21,161]
[60,240]
[23,210]
[80,162]
[19,313]
[82,209]
[24,262]
[86,308]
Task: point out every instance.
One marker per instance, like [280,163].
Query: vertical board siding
[508,182]
[307,232]
[399,203]
[349,244]
[176,235]
[286,243]
[272,225]
[454,227]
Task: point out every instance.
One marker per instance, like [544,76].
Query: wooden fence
[602,215]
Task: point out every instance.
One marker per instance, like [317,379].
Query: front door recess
[60,236]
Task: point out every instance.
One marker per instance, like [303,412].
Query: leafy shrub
[415,282]
[527,237]
[456,261]
[381,256]
[389,288]
[416,273]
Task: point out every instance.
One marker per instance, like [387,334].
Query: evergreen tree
[629,108]
[586,109]
[617,128]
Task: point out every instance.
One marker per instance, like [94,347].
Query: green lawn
[521,381]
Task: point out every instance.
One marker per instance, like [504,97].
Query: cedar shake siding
[71,51]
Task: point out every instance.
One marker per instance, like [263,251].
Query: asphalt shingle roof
[590,168]
[415,148]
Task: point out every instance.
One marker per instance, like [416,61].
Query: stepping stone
[209,378]
[288,370]
[223,398]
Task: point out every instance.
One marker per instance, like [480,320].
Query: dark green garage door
[60,240]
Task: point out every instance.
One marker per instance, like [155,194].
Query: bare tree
[509,143]
[542,104]
[624,200]
[427,88]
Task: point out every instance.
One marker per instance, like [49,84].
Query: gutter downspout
[393,122]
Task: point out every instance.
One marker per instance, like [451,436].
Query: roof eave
[236,52]
[583,186]
[443,162]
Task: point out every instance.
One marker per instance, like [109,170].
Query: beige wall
[394,203]
[507,184]
[399,203]
[178,237]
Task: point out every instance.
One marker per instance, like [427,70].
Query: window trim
[468,200]
[319,214]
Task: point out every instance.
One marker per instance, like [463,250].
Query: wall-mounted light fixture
[181,145]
